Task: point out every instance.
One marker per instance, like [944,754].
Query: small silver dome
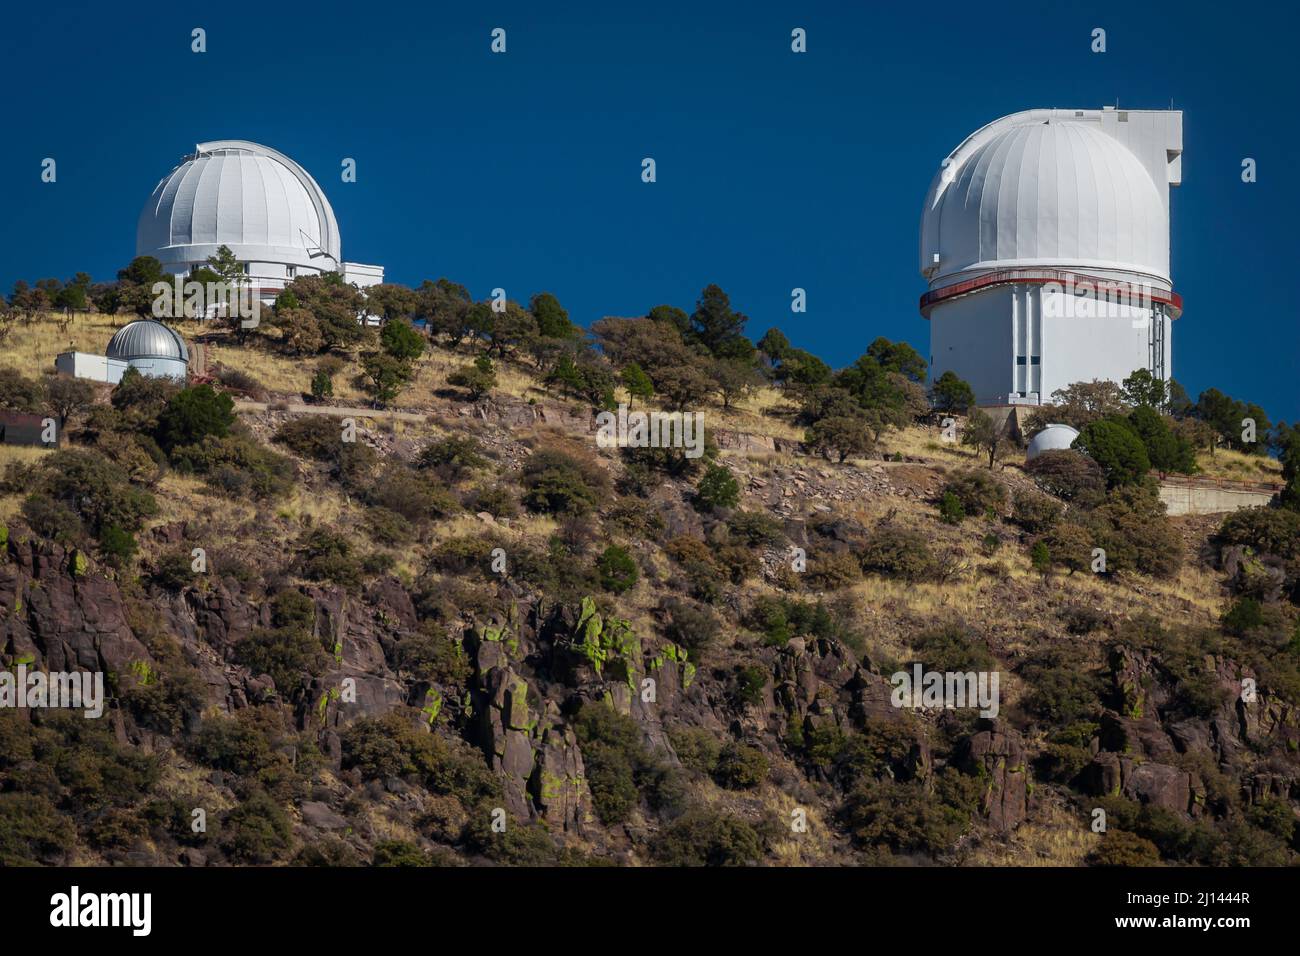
[147,339]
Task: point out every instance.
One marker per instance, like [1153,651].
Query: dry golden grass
[1053,837]
[1226,463]
[31,347]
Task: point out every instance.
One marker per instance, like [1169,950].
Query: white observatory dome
[258,202]
[1051,438]
[1047,193]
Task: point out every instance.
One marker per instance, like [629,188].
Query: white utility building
[1045,242]
[258,202]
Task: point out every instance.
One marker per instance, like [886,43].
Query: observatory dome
[146,339]
[150,347]
[258,202]
[1051,438]
[1046,193]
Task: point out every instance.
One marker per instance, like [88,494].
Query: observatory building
[260,203]
[1045,243]
[151,348]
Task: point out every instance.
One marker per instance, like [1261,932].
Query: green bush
[740,767]
[558,483]
[706,837]
[1069,475]
[898,552]
[398,853]
[717,488]
[288,655]
[978,492]
[696,747]
[32,831]
[950,508]
[1121,848]
[1034,512]
[326,555]
[693,626]
[750,683]
[193,414]
[1115,446]
[257,830]
[903,817]
[613,755]
[616,569]
[453,456]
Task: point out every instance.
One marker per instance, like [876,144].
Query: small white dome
[1051,438]
[1048,193]
[256,201]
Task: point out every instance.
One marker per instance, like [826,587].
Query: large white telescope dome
[1054,193]
[258,202]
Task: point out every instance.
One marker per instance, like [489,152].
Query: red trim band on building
[1120,291]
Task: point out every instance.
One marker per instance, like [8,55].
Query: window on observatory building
[1035,359]
[1020,360]
[291,271]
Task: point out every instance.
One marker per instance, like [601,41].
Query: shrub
[696,559]
[1136,534]
[290,656]
[950,508]
[693,626]
[558,483]
[32,831]
[781,618]
[453,456]
[613,754]
[51,519]
[1121,848]
[477,379]
[398,852]
[830,569]
[415,496]
[325,555]
[1040,557]
[1034,512]
[498,500]
[951,648]
[696,747]
[1115,446]
[706,837]
[1069,475]
[978,492]
[257,830]
[312,436]
[740,767]
[717,488]
[898,552]
[750,682]
[616,569]
[192,414]
[901,816]
[1245,613]
[755,528]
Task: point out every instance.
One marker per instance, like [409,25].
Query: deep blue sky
[775,170]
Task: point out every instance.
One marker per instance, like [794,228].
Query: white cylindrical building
[260,204]
[1045,242]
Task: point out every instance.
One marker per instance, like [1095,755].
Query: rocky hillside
[473,636]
